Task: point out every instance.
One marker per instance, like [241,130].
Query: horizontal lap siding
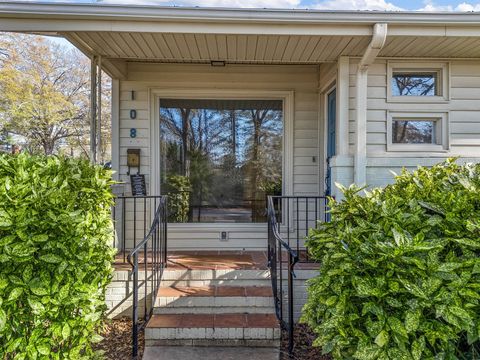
[464,118]
[465,122]
[303,80]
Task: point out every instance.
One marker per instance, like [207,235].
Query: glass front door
[219,159]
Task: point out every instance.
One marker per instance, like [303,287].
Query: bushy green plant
[55,256]
[178,198]
[400,269]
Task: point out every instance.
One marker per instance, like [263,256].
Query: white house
[344,115]
[244,103]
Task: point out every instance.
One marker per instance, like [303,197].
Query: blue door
[331,122]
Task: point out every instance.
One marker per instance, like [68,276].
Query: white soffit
[180,47]
[264,49]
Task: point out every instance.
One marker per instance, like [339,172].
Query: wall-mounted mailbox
[133,159]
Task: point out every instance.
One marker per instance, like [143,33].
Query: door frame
[327,90]
[287,98]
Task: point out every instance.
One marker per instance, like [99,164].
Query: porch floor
[213,260]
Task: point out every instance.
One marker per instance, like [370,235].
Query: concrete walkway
[210,353]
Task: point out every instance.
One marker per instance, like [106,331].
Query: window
[413,131]
[219,158]
[417,131]
[417,82]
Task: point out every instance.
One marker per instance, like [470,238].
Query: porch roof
[122,34]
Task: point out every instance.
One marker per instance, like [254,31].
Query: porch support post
[343,84]
[116,128]
[99,109]
[93,109]
[360,157]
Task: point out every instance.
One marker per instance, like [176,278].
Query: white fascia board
[68,26]
[88,11]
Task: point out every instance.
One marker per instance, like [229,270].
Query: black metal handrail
[131,215]
[292,216]
[153,248]
[276,249]
[295,216]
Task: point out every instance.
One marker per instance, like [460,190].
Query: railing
[289,219]
[149,255]
[277,251]
[295,216]
[133,216]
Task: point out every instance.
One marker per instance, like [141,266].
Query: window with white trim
[412,83]
[417,82]
[422,131]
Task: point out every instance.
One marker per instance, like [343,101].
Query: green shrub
[178,198]
[400,269]
[55,256]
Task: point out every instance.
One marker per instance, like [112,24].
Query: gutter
[379,38]
[88,11]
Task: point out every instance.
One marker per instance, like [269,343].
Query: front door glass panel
[219,159]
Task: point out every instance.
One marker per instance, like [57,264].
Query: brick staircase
[214,299]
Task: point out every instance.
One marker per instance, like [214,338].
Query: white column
[116,128]
[343,84]
[99,108]
[93,109]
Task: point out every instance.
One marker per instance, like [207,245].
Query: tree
[44,99]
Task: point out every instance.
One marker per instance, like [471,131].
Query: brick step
[216,282]
[214,299]
[213,329]
[209,275]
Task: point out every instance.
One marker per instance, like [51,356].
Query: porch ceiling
[262,49]
[203,48]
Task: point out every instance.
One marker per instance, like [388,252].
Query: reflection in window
[220,158]
[415,84]
[413,132]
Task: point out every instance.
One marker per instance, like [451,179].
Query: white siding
[303,80]
[463,110]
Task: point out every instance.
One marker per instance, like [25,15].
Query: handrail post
[291,264]
[165,237]
[276,247]
[156,241]
[135,308]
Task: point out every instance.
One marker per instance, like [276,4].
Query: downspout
[360,157]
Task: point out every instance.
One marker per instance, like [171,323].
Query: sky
[389,5]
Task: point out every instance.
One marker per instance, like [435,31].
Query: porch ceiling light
[217,63]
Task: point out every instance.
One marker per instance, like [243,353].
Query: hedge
[55,256]
[400,269]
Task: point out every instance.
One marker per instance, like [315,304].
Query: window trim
[288,98]
[441,131]
[441,68]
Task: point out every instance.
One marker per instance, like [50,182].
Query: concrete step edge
[214,310]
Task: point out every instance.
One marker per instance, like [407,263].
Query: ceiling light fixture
[217,63]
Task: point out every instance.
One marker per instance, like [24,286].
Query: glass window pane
[415,84]
[220,158]
[413,132]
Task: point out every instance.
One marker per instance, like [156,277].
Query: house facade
[242,104]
